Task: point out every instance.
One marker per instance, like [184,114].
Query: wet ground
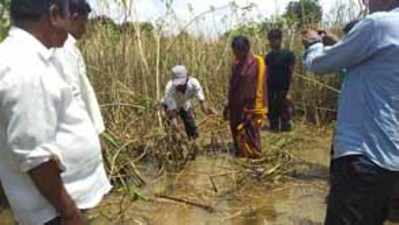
[212,190]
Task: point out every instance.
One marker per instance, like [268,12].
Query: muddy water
[215,182]
[233,201]
[211,191]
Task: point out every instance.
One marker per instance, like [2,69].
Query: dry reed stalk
[128,75]
[208,208]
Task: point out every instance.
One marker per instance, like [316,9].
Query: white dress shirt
[176,100]
[74,67]
[43,118]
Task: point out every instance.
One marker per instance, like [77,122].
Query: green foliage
[304,12]
[277,22]
[257,28]
[4,18]
[104,22]
[145,27]
[251,29]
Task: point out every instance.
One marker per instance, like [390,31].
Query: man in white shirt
[73,64]
[51,164]
[180,90]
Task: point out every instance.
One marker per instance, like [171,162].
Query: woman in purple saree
[247,100]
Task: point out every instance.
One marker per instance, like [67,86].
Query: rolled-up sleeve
[360,44]
[30,112]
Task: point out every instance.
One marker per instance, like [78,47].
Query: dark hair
[241,43]
[33,10]
[348,27]
[81,7]
[275,34]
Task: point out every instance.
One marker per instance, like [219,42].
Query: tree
[250,29]
[4,18]
[304,12]
[145,27]
[257,28]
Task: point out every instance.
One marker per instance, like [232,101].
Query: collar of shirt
[71,40]
[189,89]
[33,43]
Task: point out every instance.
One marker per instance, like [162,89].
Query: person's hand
[328,38]
[207,109]
[175,125]
[248,116]
[73,217]
[211,111]
[310,37]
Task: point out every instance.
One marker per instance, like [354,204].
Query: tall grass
[129,76]
[125,77]
[130,66]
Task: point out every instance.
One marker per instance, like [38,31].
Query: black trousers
[277,110]
[360,192]
[187,116]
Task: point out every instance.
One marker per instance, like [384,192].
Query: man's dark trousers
[360,192]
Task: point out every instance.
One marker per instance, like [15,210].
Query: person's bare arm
[47,178]
[172,115]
